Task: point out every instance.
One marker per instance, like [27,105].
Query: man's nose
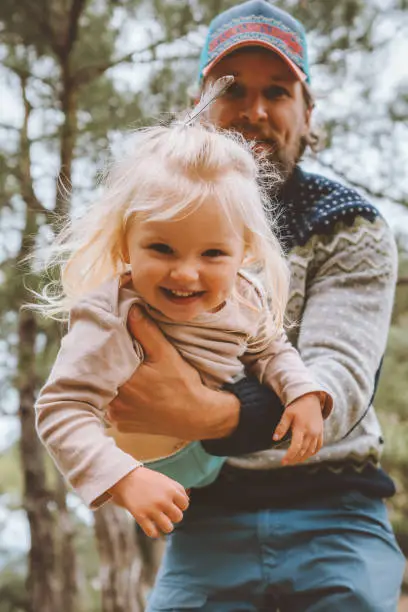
[255,111]
[184,272]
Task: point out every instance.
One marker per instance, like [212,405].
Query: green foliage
[11,476]
[391,403]
[393,391]
[401,297]
[13,597]
[175,16]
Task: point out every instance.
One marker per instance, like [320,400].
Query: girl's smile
[182,297]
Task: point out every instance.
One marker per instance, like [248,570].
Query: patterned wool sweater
[344,262]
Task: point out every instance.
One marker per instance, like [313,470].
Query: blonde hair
[170,171]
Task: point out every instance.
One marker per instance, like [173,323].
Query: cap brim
[257,43]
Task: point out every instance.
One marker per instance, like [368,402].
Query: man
[314,537]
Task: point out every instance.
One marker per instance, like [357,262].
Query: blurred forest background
[75,74]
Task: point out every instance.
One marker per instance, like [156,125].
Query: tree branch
[86,74]
[39,15]
[28,75]
[7,126]
[90,72]
[72,33]
[42,138]
[23,174]
[21,72]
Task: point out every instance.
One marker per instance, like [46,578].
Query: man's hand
[165,395]
[304,418]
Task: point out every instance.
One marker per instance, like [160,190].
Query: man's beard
[283,158]
[286,159]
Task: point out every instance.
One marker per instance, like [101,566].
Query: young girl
[181,230]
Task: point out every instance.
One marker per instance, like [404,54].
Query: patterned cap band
[256,23]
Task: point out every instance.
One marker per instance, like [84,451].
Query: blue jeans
[337,554]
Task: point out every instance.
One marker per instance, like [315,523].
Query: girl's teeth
[182,293]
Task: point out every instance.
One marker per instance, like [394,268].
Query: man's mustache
[253,133]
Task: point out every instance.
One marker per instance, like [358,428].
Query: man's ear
[308,117]
[248,254]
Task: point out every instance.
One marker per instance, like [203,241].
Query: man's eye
[275,92]
[214,253]
[160,247]
[235,91]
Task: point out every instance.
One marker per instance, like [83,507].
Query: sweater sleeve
[346,318]
[260,412]
[280,366]
[277,377]
[95,358]
[272,359]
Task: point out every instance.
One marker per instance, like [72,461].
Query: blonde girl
[182,230]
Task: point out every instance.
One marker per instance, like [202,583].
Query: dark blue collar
[312,204]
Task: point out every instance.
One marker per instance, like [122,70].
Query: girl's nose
[184,272]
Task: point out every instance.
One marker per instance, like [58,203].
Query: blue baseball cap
[256,23]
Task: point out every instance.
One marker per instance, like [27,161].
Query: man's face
[265,103]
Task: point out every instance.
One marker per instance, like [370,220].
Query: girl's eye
[214,253]
[160,247]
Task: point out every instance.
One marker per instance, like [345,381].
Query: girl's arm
[95,357]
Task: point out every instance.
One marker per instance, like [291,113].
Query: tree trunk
[69,130]
[67,563]
[151,552]
[42,582]
[120,561]
[46,583]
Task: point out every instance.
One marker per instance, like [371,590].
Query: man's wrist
[259,413]
[220,414]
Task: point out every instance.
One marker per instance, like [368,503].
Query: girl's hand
[304,418]
[154,500]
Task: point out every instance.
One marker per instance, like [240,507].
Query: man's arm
[166,396]
[260,412]
[345,322]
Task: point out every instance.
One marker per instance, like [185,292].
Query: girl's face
[186,266]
